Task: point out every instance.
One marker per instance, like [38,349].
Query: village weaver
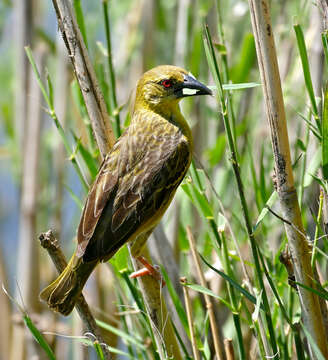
[136,181]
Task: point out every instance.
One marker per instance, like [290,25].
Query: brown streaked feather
[140,177]
[98,197]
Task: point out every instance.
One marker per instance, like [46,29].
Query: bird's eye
[166,83]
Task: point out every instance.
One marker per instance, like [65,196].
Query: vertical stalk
[160,321]
[85,75]
[235,165]
[6,315]
[233,299]
[23,26]
[190,319]
[316,234]
[268,64]
[217,340]
[112,82]
[28,254]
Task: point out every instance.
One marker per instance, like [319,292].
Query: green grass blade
[323,294]
[54,117]
[271,201]
[325,135]
[324,38]
[76,199]
[313,344]
[246,60]
[38,76]
[307,73]
[98,349]
[240,289]
[176,300]
[80,20]
[126,337]
[87,157]
[38,337]
[209,292]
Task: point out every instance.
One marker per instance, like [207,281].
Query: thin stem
[52,113]
[50,243]
[233,299]
[316,234]
[235,165]
[114,107]
[218,343]
[190,319]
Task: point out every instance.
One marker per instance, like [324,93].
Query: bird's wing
[151,164]
[149,185]
[98,196]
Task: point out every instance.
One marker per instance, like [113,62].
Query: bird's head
[166,85]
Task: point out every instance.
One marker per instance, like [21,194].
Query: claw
[148,270]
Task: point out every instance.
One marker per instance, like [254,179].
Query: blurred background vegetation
[40,188]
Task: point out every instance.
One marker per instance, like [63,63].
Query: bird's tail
[62,294]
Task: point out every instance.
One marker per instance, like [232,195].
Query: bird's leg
[148,270]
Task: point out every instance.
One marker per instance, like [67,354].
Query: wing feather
[134,184]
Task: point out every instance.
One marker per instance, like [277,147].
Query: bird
[135,183]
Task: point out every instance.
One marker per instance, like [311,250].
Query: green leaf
[38,337]
[51,91]
[320,181]
[312,168]
[80,20]
[325,135]
[198,199]
[120,259]
[246,60]
[176,300]
[306,72]
[271,201]
[323,294]
[221,48]
[256,311]
[209,292]
[324,39]
[76,199]
[98,349]
[128,338]
[240,289]
[313,344]
[88,158]
[300,144]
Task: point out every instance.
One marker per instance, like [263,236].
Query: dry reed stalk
[160,320]
[217,339]
[85,75]
[267,59]
[22,35]
[228,346]
[28,252]
[190,319]
[162,253]
[5,312]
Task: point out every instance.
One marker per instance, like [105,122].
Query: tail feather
[61,295]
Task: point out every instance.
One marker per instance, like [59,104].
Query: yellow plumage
[135,183]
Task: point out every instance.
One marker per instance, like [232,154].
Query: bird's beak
[191,87]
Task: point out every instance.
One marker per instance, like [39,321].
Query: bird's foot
[152,270]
